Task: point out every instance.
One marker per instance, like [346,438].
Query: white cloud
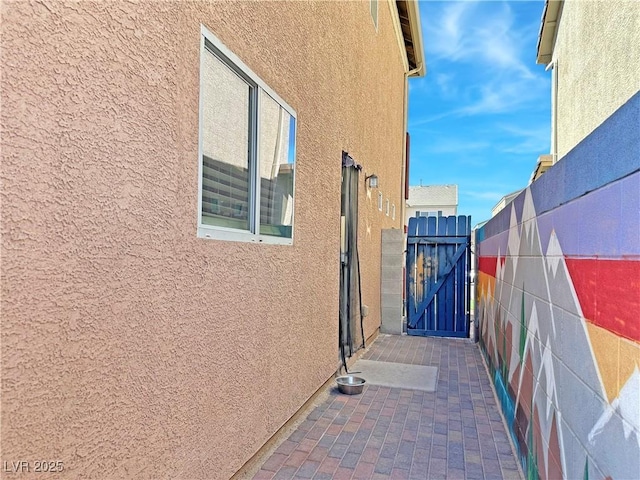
[454,145]
[483,195]
[500,95]
[447,84]
[461,32]
[494,96]
[535,138]
[450,37]
[483,40]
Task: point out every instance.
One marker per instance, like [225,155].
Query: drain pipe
[405,181]
[553,66]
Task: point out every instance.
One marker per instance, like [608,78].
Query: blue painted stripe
[609,153]
[602,224]
[494,245]
[584,226]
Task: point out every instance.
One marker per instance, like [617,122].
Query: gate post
[391,281]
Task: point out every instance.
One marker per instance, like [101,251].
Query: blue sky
[481,116]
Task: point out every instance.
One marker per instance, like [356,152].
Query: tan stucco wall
[598,60]
[131,348]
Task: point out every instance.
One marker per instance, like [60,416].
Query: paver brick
[362,434]
[455,474]
[337,450]
[370,455]
[350,460]
[285,473]
[306,445]
[399,474]
[368,423]
[297,436]
[263,475]
[410,435]
[327,440]
[328,465]
[403,460]
[491,467]
[296,458]
[439,451]
[341,419]
[363,471]
[344,438]
[437,466]
[307,469]
[388,450]
[322,476]
[392,433]
[343,473]
[315,433]
[274,462]
[384,465]
[318,453]
[379,476]
[356,446]
[351,427]
[286,447]
[509,474]
[375,441]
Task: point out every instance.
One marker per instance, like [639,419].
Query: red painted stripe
[609,293]
[489,265]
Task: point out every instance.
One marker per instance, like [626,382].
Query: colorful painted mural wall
[559,308]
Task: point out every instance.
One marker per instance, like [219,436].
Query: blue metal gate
[438,261]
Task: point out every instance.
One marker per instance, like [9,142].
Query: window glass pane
[373,6]
[277,160]
[225,146]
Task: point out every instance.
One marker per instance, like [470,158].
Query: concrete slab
[397,375]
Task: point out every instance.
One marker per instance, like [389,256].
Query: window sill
[231,235]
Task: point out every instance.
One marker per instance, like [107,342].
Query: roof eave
[548,29]
[409,12]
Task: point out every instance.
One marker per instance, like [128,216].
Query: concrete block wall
[393,245]
[558,296]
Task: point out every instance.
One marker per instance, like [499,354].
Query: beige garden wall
[131,348]
[590,29]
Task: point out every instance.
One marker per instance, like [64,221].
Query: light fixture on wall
[373,180]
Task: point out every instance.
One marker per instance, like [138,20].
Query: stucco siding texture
[598,53]
[131,348]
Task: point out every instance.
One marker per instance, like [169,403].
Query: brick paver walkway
[456,432]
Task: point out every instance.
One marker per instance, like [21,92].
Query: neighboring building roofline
[409,13]
[504,201]
[433,195]
[545,162]
[548,28]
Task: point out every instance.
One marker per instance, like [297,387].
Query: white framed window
[247,152]
[379,201]
[393,211]
[373,8]
[386,208]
